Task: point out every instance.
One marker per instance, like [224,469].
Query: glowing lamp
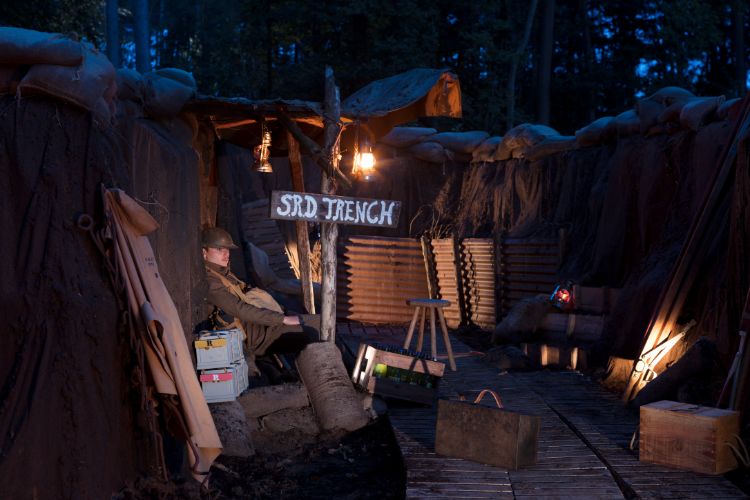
[262,153]
[562,296]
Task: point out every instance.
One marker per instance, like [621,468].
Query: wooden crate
[370,356]
[689,437]
[488,435]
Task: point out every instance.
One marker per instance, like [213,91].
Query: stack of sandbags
[486,150]
[448,146]
[60,67]
[532,142]
[166,91]
[668,110]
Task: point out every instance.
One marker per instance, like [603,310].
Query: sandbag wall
[375,277]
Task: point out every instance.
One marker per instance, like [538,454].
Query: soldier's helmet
[216,237]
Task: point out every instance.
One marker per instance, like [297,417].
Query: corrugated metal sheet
[526,267]
[262,231]
[477,280]
[478,271]
[445,266]
[376,276]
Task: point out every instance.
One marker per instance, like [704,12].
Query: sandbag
[522,321]
[729,109]
[130,85]
[461,142]
[90,85]
[403,137]
[648,111]
[179,75]
[332,395]
[595,132]
[486,150]
[28,47]
[429,151]
[671,113]
[526,135]
[625,124]
[164,97]
[502,152]
[10,76]
[549,146]
[699,111]
[668,95]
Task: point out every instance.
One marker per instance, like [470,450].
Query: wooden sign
[289,205]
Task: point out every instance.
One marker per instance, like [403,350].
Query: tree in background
[583,58]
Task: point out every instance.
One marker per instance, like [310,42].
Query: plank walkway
[583,439]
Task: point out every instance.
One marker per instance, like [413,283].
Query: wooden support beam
[329,232]
[330,168]
[303,240]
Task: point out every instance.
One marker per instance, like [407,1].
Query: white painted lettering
[329,202]
[339,210]
[297,212]
[386,212]
[312,207]
[361,208]
[349,210]
[285,200]
[372,219]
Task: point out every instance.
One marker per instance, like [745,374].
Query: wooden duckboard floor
[583,441]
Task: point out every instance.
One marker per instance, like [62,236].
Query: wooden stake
[329,232]
[303,240]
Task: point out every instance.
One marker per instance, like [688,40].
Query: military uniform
[261,318]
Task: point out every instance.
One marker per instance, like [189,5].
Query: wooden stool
[421,306]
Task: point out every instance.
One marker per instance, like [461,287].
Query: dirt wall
[68,409]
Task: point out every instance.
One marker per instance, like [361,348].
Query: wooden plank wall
[526,267]
[262,231]
[375,277]
[477,276]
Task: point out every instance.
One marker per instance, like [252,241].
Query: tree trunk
[142,42]
[588,55]
[329,232]
[113,33]
[545,62]
[514,65]
[738,21]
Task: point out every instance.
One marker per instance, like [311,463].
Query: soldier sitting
[267,328]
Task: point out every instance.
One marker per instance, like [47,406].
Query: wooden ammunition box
[414,368]
[493,436]
[689,437]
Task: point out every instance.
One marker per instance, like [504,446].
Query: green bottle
[380,370]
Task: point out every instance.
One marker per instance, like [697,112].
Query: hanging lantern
[262,153]
[363,164]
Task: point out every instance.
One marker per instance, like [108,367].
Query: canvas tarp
[166,349]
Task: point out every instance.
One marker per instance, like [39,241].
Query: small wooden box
[689,437]
[493,436]
[370,356]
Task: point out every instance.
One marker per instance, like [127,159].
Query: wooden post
[329,232]
[303,240]
[429,266]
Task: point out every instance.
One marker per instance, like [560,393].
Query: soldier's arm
[219,296]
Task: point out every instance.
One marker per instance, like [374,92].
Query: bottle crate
[392,372]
